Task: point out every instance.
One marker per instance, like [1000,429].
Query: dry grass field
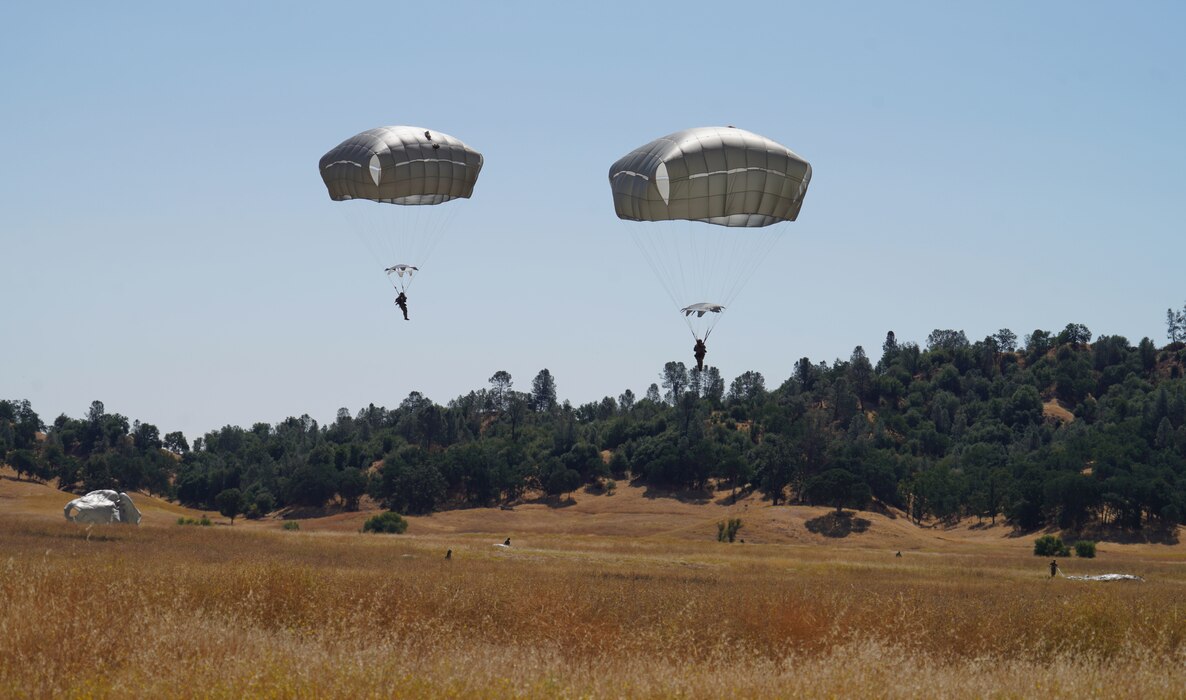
[630,597]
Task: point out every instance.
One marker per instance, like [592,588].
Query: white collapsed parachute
[394,183]
[103,507]
[711,201]
[1105,577]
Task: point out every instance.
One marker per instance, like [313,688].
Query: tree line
[1054,429]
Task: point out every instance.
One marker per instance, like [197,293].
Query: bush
[389,522]
[1085,549]
[190,521]
[291,525]
[1050,546]
[728,531]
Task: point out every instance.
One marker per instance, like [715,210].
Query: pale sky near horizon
[167,245]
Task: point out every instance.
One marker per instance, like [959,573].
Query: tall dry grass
[219,612]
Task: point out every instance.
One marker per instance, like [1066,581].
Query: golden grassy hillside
[587,602]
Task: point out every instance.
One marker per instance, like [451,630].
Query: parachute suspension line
[437,228]
[398,234]
[656,263]
[363,223]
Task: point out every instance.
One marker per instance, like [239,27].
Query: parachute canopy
[401,165]
[701,309]
[718,175]
[401,270]
[103,507]
[676,185]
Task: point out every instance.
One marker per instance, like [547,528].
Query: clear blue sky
[167,246]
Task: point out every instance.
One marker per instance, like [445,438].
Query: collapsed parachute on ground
[709,200]
[1106,577]
[103,507]
[395,178]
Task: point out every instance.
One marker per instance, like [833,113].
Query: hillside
[1065,432]
[630,513]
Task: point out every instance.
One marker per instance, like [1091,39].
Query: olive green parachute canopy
[718,175]
[401,165]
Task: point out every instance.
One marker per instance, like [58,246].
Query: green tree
[543,392]
[838,487]
[1175,325]
[775,467]
[352,484]
[311,483]
[24,463]
[1006,340]
[748,387]
[946,339]
[230,503]
[418,488]
[675,381]
[500,388]
[712,386]
[562,480]
[1075,334]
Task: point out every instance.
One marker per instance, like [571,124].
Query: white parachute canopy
[709,203]
[1106,577]
[396,184]
[103,507]
[402,271]
[701,309]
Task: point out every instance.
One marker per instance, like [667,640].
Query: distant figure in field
[898,555]
[699,350]
[504,544]
[449,554]
[402,302]
[1053,568]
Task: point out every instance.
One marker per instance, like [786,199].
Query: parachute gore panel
[401,165]
[718,175]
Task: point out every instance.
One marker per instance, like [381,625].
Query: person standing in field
[1053,568]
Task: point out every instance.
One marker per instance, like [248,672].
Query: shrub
[190,521]
[1085,549]
[728,531]
[610,486]
[1050,546]
[389,522]
[291,525]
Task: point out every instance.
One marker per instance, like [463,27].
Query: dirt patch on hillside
[1056,411]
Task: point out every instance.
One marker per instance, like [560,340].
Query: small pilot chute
[701,309]
[404,275]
